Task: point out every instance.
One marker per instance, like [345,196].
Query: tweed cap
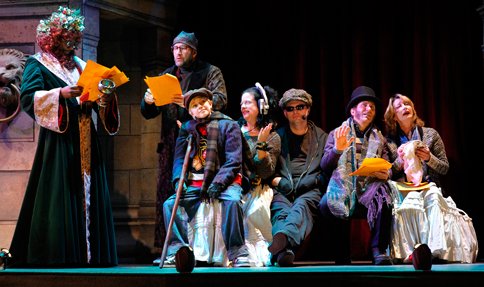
[190,95]
[295,95]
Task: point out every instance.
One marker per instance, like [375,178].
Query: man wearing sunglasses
[298,179]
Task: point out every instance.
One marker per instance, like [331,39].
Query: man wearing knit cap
[349,196]
[192,73]
[187,39]
[298,178]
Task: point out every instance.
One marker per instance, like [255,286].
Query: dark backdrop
[428,50]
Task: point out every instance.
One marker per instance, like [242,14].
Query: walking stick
[179,191]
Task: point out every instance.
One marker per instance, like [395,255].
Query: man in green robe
[66,218]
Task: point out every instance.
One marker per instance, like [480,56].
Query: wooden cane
[179,191]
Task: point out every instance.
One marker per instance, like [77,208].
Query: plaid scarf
[211,160]
[212,163]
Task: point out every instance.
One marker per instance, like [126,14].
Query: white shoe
[169,262]
[241,262]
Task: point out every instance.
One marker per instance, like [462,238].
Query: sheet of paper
[93,73]
[370,165]
[164,88]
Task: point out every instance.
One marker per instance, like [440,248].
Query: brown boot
[279,243]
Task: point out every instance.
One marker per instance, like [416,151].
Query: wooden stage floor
[302,274]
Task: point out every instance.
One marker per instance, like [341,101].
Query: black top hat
[362,93]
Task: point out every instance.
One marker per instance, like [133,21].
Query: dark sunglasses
[298,107]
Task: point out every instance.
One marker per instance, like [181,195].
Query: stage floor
[303,274]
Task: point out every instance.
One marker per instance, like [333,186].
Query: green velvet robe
[61,222]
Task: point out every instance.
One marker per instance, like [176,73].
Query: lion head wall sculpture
[12,64]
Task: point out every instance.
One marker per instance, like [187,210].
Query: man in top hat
[298,178]
[350,196]
[213,173]
[192,73]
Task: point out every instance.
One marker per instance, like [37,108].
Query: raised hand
[341,142]
[264,133]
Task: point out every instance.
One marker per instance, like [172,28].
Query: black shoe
[382,259]
[422,257]
[285,258]
[185,260]
[279,243]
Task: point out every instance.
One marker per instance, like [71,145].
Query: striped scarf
[212,163]
[344,190]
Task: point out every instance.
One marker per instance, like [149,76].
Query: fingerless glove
[214,190]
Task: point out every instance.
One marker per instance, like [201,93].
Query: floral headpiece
[60,34]
[64,19]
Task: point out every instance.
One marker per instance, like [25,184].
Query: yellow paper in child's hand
[166,89]
[370,165]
